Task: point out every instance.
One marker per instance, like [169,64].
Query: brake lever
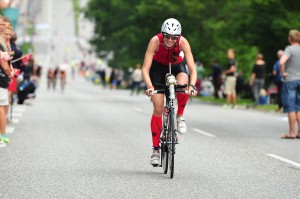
[191,96]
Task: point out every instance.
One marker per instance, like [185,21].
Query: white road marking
[284,160]
[15,120]
[284,119]
[203,132]
[19,109]
[17,114]
[138,109]
[10,129]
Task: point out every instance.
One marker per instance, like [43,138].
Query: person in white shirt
[137,79]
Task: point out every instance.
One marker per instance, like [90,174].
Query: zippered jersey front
[164,55]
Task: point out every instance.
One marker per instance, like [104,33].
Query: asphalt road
[89,142]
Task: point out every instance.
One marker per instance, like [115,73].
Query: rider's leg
[182,98]
[156,120]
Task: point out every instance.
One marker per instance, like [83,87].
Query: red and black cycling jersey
[166,55]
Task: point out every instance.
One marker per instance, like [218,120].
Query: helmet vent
[171,26]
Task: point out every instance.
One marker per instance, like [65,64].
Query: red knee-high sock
[156,125]
[182,99]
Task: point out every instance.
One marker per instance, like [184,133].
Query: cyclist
[165,48]
[63,75]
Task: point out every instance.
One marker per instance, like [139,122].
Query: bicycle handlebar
[163,91]
[176,86]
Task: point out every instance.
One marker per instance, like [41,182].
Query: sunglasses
[174,38]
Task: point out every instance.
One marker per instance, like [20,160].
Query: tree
[211,26]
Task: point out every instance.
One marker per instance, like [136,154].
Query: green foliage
[27,48]
[211,27]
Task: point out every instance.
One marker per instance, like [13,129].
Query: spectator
[113,78]
[6,75]
[241,88]
[290,72]
[200,75]
[216,78]
[120,78]
[17,51]
[28,69]
[278,80]
[257,77]
[101,67]
[230,82]
[136,79]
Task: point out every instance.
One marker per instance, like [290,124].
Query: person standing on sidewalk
[137,79]
[278,79]
[257,77]
[200,75]
[230,81]
[6,75]
[216,78]
[290,72]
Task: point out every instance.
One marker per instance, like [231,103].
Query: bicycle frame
[168,136]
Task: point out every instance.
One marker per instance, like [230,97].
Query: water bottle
[166,112]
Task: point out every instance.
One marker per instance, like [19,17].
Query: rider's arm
[282,62]
[186,48]
[152,47]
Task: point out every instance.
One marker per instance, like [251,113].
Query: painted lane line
[15,120]
[203,132]
[10,129]
[285,119]
[138,109]
[17,114]
[2,145]
[284,160]
[19,109]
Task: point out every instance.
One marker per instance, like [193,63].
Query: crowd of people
[230,83]
[15,70]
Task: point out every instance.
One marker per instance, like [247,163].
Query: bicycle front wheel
[171,142]
[164,153]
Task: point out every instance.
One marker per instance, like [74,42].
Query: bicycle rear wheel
[171,142]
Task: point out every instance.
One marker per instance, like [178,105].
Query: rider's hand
[192,90]
[149,90]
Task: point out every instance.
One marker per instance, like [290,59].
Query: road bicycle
[168,138]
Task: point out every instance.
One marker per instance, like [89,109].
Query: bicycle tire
[171,142]
[164,152]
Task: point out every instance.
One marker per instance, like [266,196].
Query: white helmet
[171,26]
